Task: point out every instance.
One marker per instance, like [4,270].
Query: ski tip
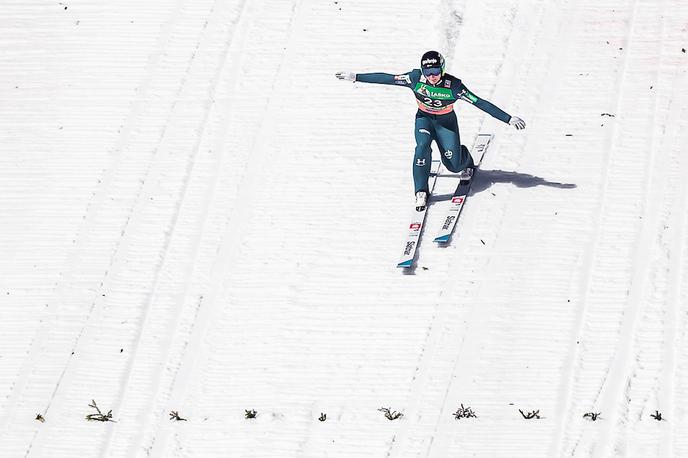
[408,263]
[442,239]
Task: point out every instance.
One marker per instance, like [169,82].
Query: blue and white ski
[417,223]
[462,190]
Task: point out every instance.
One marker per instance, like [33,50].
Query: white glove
[348,76]
[517,122]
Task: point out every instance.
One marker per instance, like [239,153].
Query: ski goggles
[432,71]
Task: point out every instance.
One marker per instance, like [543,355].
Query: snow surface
[198,217]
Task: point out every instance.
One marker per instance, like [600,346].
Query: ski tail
[415,228]
[482,142]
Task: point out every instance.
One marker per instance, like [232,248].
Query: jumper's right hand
[347,76]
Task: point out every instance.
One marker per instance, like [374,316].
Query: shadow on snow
[486,178]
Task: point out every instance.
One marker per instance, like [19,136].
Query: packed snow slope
[198,217]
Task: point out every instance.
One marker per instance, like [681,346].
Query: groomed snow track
[198,217]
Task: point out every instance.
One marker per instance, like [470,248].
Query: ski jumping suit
[436,120]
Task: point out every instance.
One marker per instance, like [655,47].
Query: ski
[462,190]
[417,223]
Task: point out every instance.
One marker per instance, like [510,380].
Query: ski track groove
[565,389]
[171,235]
[587,268]
[125,245]
[653,340]
[190,359]
[211,195]
[615,375]
[675,135]
[95,207]
[591,257]
[182,85]
[623,370]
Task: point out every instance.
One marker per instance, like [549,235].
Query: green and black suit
[436,119]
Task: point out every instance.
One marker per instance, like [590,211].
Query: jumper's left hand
[517,122]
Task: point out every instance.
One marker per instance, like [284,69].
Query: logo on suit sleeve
[402,79]
[468,96]
[420,162]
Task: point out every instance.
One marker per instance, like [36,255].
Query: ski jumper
[436,119]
